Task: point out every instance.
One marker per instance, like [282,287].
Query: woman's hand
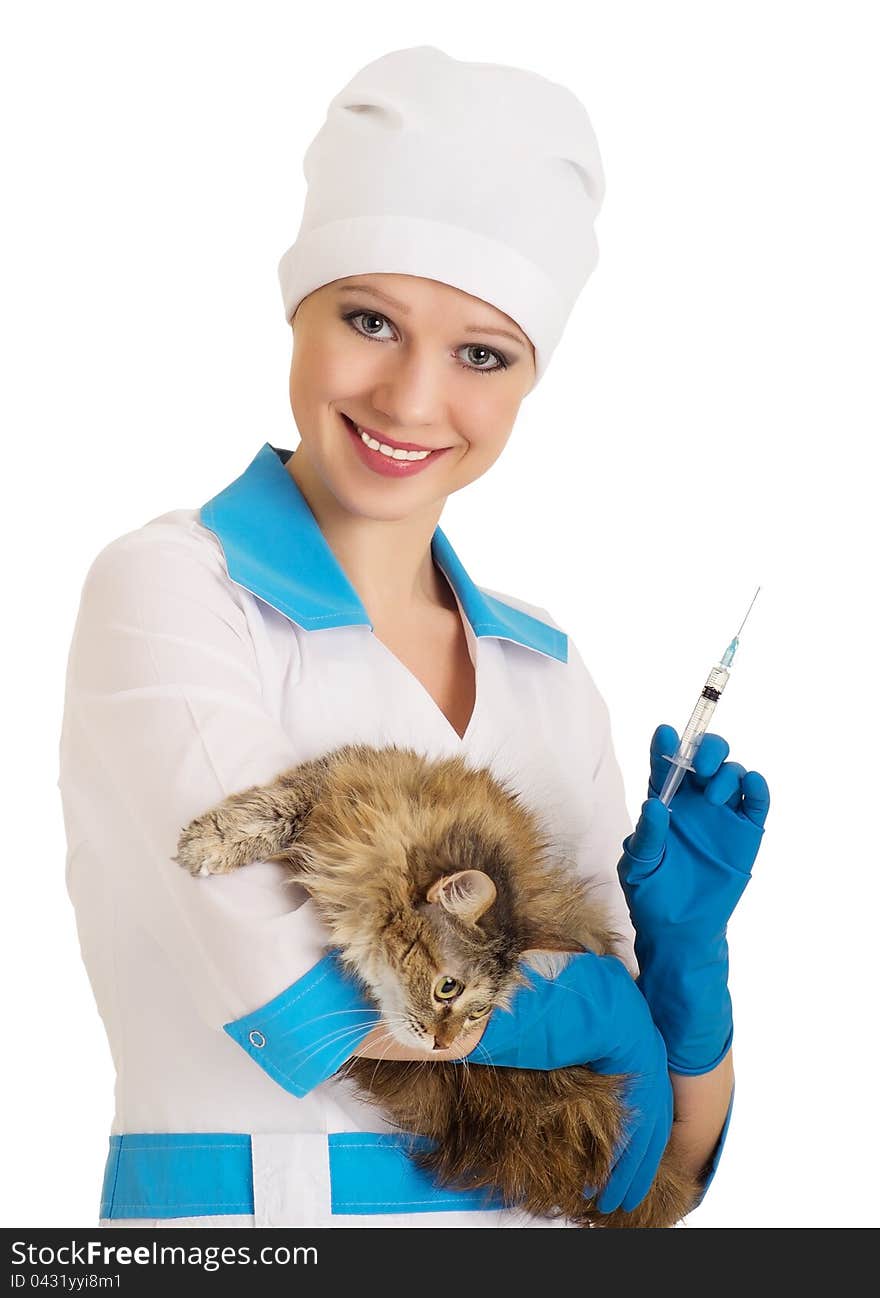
[593,1013]
[683,871]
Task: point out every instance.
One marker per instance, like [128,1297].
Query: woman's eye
[479,354]
[500,364]
[446,989]
[367,315]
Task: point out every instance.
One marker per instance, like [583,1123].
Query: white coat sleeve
[164,717]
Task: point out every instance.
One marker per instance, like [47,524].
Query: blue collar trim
[275,549]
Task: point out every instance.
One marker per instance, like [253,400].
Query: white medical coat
[213,649]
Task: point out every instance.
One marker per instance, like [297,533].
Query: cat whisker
[336,1014]
[336,1038]
[478,1049]
[333,1014]
[391,1042]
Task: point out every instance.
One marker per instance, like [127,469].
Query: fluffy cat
[427,871]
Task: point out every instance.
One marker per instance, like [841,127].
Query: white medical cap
[481,176]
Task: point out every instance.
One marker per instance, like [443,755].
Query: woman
[315,601]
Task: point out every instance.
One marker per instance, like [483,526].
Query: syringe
[700,717]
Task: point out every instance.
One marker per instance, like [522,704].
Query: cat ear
[467,894]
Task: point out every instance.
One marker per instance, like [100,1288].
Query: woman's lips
[386,464]
[389,441]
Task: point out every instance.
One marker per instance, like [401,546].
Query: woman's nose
[412,395]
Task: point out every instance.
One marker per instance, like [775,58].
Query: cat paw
[202,850]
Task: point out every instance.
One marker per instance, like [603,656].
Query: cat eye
[446,989]
[479,1011]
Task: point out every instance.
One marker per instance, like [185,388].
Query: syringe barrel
[702,713]
[674,777]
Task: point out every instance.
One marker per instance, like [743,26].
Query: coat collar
[275,549]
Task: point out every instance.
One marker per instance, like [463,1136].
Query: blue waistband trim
[204,1174]
[191,1174]
[370,1172]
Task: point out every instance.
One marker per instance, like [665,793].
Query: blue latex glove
[593,1013]
[683,870]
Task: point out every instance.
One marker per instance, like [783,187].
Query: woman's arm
[165,716]
[701,1107]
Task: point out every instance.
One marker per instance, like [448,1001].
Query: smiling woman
[312,602]
[361,381]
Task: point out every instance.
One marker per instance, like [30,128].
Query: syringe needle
[748,611]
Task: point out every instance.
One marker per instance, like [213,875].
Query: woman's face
[428,369]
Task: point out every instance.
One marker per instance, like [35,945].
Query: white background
[709,422]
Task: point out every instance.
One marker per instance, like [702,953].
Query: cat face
[436,973]
[442,966]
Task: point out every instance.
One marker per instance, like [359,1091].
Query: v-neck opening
[474,655]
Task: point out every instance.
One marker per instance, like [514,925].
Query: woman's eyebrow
[400,306]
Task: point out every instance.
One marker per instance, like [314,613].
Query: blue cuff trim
[192,1174]
[370,1172]
[308,1031]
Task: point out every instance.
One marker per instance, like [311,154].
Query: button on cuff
[302,1036]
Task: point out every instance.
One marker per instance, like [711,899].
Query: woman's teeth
[393,453]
